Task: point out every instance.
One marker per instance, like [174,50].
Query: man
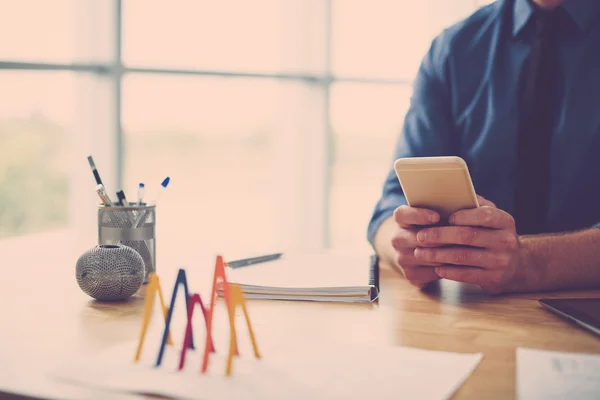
[515,91]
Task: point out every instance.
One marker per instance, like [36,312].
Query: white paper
[19,378]
[557,375]
[26,374]
[295,371]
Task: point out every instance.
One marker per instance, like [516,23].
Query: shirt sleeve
[427,128]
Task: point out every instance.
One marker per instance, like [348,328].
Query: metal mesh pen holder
[133,226]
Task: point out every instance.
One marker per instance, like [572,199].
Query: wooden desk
[42,308]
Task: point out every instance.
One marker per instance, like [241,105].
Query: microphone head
[110,272]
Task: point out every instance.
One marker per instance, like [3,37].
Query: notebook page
[318,270]
[318,297]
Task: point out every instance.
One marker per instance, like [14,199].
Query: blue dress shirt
[465,104]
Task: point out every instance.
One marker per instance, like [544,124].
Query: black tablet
[585,312]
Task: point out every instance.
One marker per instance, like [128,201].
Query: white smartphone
[441,184]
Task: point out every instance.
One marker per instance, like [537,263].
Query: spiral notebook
[311,277]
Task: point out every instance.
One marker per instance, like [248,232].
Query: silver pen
[103,196]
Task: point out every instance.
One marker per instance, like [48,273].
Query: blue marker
[162,188]
[141,194]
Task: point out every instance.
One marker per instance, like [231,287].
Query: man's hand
[480,247]
[404,241]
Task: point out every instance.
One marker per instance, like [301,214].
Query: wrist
[528,272]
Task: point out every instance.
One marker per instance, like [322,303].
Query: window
[212,35]
[275,119]
[216,144]
[34,36]
[35,122]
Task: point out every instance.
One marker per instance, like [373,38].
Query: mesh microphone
[110,272]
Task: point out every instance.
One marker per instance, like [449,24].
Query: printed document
[557,375]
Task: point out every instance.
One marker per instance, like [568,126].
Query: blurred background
[275,119]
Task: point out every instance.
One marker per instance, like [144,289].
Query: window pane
[49,31]
[366,121]
[388,38]
[226,34]
[35,115]
[213,137]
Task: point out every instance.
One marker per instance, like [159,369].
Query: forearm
[561,261]
[382,242]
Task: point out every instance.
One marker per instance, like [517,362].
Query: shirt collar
[583,12]
[522,12]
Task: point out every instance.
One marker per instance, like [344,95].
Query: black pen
[254,260]
[122,199]
[94,171]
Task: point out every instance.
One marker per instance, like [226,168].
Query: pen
[95,171]
[254,260]
[103,196]
[162,188]
[141,194]
[122,199]
[124,203]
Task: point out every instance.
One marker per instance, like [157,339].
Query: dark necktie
[538,108]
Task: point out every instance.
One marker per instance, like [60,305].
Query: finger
[486,217]
[457,255]
[407,216]
[463,274]
[420,276]
[485,202]
[405,239]
[466,236]
[406,259]
[475,276]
